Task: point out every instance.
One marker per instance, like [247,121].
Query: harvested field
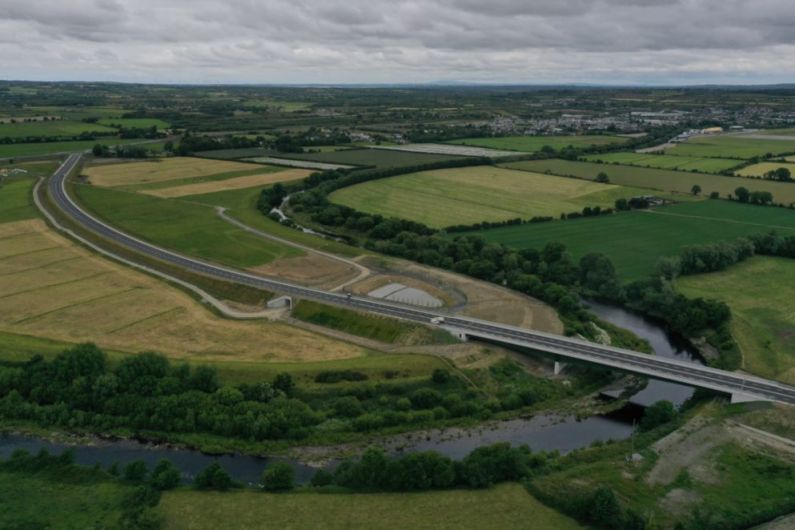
[236,183]
[379,158]
[126,174]
[759,170]
[68,294]
[463,196]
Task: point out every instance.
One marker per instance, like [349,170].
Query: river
[540,433]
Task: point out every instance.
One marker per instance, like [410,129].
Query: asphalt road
[749,387]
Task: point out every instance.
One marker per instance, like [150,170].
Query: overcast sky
[388,41]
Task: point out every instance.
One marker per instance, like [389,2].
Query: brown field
[312,269]
[125,174]
[52,288]
[236,183]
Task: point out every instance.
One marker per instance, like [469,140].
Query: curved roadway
[740,386]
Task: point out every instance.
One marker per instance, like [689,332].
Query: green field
[44,148]
[634,241]
[658,179]
[447,197]
[182,226]
[682,163]
[380,158]
[242,205]
[16,193]
[56,128]
[29,501]
[759,292]
[502,507]
[134,123]
[531,144]
[759,170]
[372,327]
[731,147]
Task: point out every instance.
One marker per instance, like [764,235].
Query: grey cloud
[358,40]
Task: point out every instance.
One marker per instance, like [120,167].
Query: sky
[647,42]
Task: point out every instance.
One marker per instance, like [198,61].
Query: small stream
[540,433]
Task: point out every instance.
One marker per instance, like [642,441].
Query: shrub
[278,477]
[213,477]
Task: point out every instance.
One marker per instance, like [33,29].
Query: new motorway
[739,386]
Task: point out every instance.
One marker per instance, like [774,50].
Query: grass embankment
[759,292]
[470,195]
[505,506]
[369,326]
[635,241]
[185,227]
[682,163]
[731,147]
[531,144]
[659,179]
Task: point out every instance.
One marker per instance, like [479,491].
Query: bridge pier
[559,366]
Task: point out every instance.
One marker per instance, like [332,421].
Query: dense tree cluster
[191,143]
[78,389]
[483,467]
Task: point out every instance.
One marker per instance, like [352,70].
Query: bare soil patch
[313,270]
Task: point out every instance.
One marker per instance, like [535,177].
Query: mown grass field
[731,147]
[257,180]
[759,292]
[176,170]
[531,144]
[682,163]
[636,240]
[183,226]
[379,158]
[56,128]
[470,195]
[504,506]
[44,148]
[54,289]
[658,179]
[759,170]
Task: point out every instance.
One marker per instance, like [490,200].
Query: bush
[165,476]
[278,477]
[135,471]
[440,376]
[658,414]
[322,478]
[213,477]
